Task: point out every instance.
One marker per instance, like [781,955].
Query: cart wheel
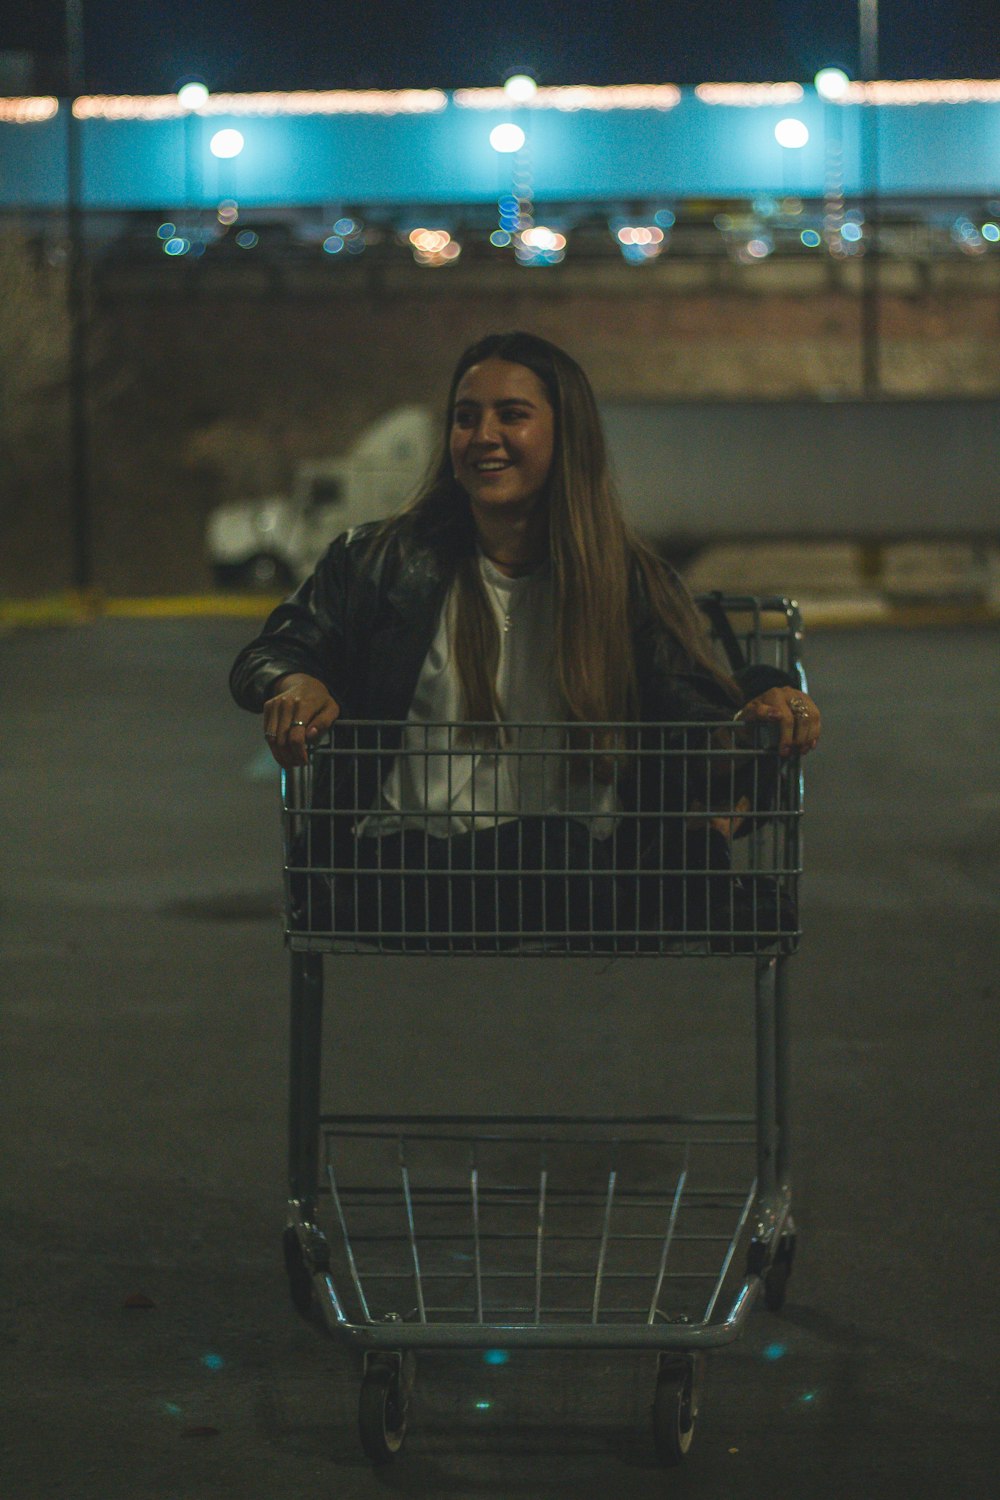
[382,1413]
[777,1274]
[674,1412]
[300,1285]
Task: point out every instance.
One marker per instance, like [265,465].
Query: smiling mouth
[492,466]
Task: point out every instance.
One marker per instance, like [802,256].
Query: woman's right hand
[298,713]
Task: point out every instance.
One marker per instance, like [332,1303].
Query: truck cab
[274,542]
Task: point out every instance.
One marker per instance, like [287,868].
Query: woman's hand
[793,710]
[300,711]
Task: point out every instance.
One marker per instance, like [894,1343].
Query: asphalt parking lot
[145,1040]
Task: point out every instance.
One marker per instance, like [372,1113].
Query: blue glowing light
[500,238]
[991,232]
[333,244]
[775,1351]
[664,218]
[344,227]
[166,231]
[496,1357]
[247,240]
[213,1361]
[171,1408]
[483,1405]
[808,1396]
[852,233]
[177,246]
[811,238]
[508,205]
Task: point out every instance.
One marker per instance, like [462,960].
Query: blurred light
[758,248]
[500,238]
[333,244]
[299,102]
[485,1405]
[791,134]
[749,94]
[228,211]
[28,111]
[811,238]
[775,1351]
[542,238]
[578,96]
[192,95]
[496,1357]
[247,240]
[506,138]
[665,218]
[355,245]
[213,1361]
[345,227]
[226,144]
[520,88]
[831,83]
[924,91]
[197,248]
[166,231]
[851,232]
[434,247]
[639,243]
[177,246]
[991,232]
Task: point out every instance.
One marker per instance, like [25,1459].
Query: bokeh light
[520,87]
[192,95]
[506,138]
[226,144]
[177,245]
[247,240]
[991,232]
[831,83]
[811,238]
[791,133]
[228,211]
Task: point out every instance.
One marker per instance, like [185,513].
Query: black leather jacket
[364,627]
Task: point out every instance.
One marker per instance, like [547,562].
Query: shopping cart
[410,1233]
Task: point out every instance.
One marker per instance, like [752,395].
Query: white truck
[273,543]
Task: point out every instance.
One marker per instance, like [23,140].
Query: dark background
[258,44]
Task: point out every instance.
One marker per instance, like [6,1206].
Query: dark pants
[529,880]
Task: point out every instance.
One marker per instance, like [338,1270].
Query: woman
[510,589]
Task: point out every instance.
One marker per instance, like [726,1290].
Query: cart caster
[383,1409]
[778,1272]
[675,1408]
[300,1282]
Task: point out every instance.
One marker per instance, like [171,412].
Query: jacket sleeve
[307,633]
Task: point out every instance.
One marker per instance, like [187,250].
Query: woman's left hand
[793,710]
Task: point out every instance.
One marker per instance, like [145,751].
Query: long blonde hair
[594,556]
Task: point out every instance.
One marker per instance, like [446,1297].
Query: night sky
[286,44]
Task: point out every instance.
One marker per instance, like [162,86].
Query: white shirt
[471,789]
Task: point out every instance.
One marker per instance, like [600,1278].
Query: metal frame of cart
[583,1232]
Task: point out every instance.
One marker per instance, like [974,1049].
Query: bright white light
[520,88]
[226,143]
[831,83]
[791,134]
[192,95]
[507,138]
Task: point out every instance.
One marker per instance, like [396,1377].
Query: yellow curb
[78,607]
[184,606]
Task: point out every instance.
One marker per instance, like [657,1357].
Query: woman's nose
[486,433]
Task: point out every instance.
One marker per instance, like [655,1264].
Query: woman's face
[502,438]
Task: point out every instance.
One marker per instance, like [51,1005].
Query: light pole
[76,300]
[868,69]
